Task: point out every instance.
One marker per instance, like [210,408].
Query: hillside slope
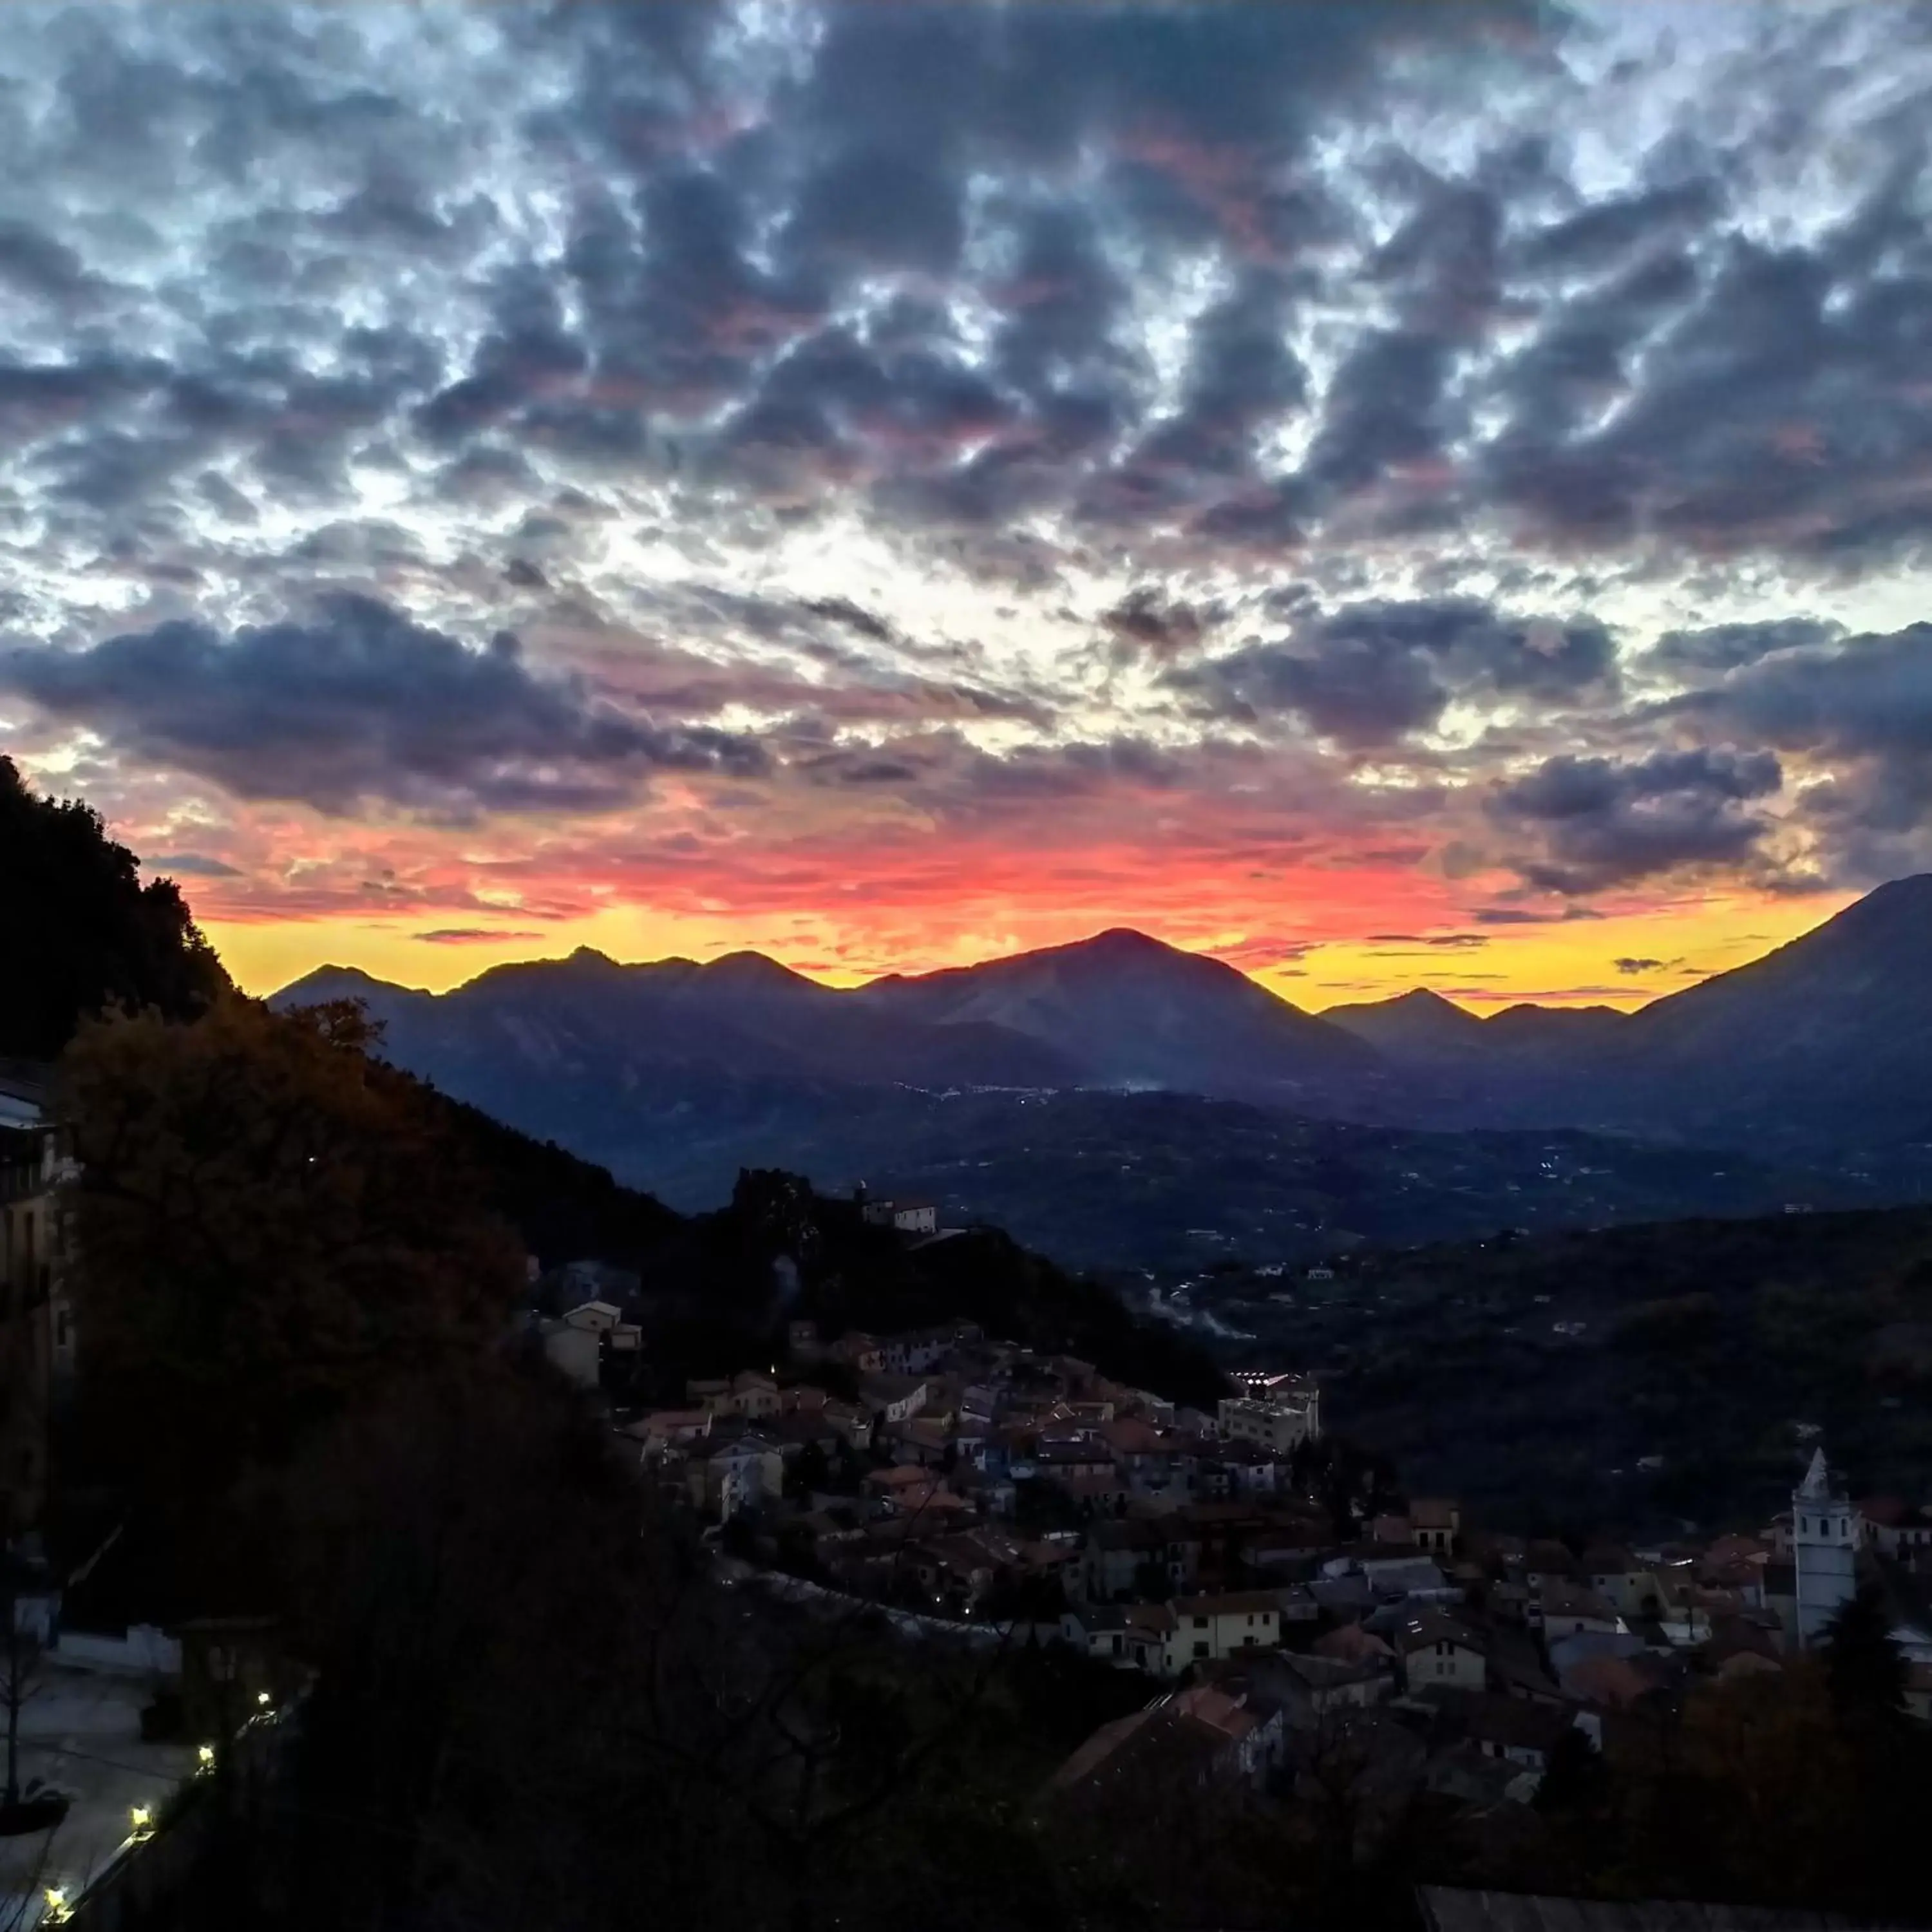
[1628,1377]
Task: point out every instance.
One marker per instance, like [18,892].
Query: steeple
[1826,1534]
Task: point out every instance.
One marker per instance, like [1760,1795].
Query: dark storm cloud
[1370,674]
[1594,823]
[363,706]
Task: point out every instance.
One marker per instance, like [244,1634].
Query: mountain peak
[1419,1020]
[1117,942]
[749,969]
[324,983]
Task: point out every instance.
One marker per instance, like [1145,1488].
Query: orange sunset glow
[1192,474]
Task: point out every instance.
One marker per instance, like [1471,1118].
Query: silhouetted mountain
[744,1016]
[1136,1013]
[1417,1025]
[1421,1026]
[1820,1050]
[1561,1031]
[1827,1041]
[1096,1177]
[1817,1061]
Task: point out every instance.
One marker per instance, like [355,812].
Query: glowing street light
[140,1821]
[206,1757]
[262,1698]
[57,1913]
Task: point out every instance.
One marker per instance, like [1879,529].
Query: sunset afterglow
[1388,495]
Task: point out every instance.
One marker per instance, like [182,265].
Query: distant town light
[206,1755]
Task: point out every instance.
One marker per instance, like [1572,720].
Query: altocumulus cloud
[1080,327]
[1371,674]
[363,706]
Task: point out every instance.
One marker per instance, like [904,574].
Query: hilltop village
[1275,1588]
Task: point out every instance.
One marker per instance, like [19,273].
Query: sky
[1389,495]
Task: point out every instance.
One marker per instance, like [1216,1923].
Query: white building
[907,1216]
[1826,1533]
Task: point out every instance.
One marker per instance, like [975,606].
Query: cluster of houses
[955,1473]
[1446,1658]
[976,1480]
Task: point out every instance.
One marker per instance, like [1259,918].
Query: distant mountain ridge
[1814,1063]
[1119,1010]
[1821,1046]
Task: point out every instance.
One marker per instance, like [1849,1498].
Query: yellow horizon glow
[1563,963]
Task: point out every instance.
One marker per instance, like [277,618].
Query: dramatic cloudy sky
[1398,494]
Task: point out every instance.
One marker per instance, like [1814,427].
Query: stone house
[1438,1652]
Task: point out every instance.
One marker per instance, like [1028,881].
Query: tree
[90,934]
[809,1472]
[1864,1668]
[269,1227]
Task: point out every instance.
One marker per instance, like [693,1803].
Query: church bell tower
[1825,1536]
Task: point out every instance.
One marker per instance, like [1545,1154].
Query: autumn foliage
[269,1227]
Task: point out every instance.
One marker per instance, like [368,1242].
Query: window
[1200,1623]
[1200,1647]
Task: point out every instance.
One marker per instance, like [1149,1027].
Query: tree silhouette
[1866,1670]
[269,1227]
[90,934]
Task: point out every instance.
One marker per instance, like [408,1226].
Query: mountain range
[1822,1049]
[1810,1070]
